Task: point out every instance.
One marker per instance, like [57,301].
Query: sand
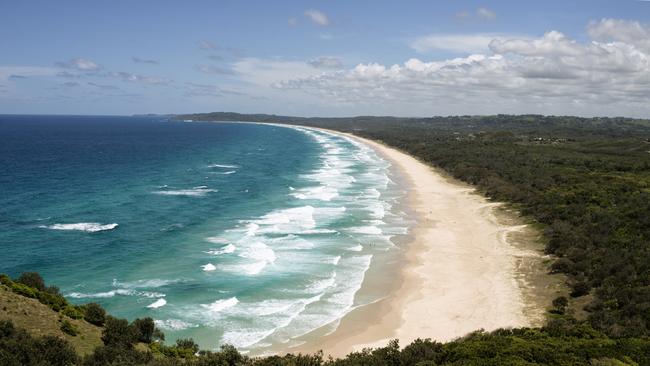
[461,271]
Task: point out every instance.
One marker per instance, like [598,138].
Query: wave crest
[89,227]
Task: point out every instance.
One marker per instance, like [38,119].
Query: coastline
[470,264]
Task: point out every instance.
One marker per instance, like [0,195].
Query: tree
[95,314]
[145,329]
[56,351]
[32,279]
[118,333]
[580,288]
[187,343]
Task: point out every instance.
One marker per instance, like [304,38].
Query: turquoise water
[247,234]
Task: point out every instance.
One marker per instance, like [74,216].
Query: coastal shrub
[56,351]
[112,355]
[72,312]
[23,290]
[186,347]
[5,280]
[94,314]
[19,348]
[54,290]
[580,288]
[145,329]
[55,301]
[32,279]
[560,305]
[118,333]
[422,351]
[68,328]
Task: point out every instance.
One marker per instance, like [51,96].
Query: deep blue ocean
[239,233]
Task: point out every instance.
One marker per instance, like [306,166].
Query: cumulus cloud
[609,74]
[79,64]
[326,62]
[485,13]
[615,30]
[461,43]
[317,17]
[138,60]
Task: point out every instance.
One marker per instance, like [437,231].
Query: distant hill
[528,124]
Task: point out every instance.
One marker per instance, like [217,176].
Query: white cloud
[79,64]
[630,32]
[551,44]
[460,43]
[551,74]
[317,17]
[326,62]
[292,21]
[485,13]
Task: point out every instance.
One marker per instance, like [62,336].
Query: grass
[39,320]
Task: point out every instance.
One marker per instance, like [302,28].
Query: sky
[326,57]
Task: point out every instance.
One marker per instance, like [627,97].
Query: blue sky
[326,57]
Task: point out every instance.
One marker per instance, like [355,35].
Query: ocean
[239,233]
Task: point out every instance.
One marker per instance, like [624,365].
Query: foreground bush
[564,342]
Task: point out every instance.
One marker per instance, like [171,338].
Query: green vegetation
[68,328]
[584,181]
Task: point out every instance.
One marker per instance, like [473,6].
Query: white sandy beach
[459,274]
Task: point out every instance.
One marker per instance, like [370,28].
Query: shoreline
[470,264]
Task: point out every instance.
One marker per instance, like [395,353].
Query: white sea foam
[366,230]
[194,192]
[259,253]
[218,240]
[319,286]
[318,231]
[209,267]
[356,248]
[220,305]
[227,166]
[149,283]
[173,324]
[89,227]
[116,292]
[157,304]
[337,301]
[280,318]
[323,193]
[225,250]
